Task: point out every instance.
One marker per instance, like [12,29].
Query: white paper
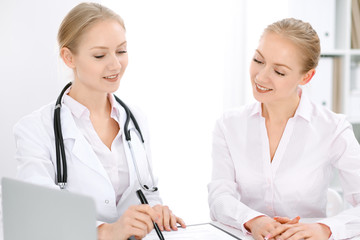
[198,232]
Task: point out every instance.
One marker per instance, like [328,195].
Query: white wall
[28,64]
[259,14]
[179,52]
[186,65]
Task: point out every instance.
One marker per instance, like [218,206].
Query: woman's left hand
[167,218]
[312,231]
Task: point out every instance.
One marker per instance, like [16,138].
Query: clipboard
[235,237]
[203,231]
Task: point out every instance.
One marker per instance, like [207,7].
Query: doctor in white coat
[99,162]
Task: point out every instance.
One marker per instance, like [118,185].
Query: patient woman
[276,157]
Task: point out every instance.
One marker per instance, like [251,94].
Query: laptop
[34,212]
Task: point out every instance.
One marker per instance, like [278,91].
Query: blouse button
[107,201]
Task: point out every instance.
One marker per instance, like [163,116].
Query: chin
[257,95]
[113,87]
[260,97]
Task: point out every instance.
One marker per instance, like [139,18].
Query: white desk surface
[238,233]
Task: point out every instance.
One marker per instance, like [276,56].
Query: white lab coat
[36,156]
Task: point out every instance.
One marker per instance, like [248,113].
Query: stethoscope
[60,149]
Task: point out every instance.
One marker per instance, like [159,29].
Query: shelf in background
[355,52]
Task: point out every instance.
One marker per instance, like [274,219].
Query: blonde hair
[79,19]
[303,36]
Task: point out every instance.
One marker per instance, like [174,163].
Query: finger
[166,218]
[299,235]
[145,208]
[268,236]
[158,209]
[138,233]
[293,229]
[258,237]
[181,222]
[282,220]
[280,229]
[143,219]
[294,220]
[173,222]
[268,230]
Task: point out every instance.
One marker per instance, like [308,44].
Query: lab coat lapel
[81,149]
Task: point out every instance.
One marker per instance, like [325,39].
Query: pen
[143,200]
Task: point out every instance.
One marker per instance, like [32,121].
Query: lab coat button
[107,201]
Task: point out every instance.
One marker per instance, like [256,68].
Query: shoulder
[36,120]
[318,115]
[138,114]
[328,126]
[237,119]
[135,110]
[325,118]
[239,114]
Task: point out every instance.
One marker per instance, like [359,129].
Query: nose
[114,63]
[263,74]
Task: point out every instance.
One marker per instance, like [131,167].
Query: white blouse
[246,184]
[114,160]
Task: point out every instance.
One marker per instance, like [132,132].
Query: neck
[280,111]
[97,102]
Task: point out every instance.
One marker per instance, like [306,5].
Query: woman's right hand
[264,227]
[261,227]
[136,221]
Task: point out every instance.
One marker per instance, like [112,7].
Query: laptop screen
[34,212]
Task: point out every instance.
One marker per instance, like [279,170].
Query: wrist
[248,224]
[103,231]
[326,229]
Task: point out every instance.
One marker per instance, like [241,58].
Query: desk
[240,234]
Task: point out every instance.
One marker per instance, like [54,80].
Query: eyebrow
[102,47]
[277,64]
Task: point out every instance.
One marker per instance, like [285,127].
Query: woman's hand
[167,219]
[311,231]
[261,227]
[287,220]
[264,227]
[136,221]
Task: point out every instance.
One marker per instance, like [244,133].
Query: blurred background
[188,62]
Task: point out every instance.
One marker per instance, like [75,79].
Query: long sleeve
[86,173]
[247,183]
[33,152]
[346,158]
[224,197]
